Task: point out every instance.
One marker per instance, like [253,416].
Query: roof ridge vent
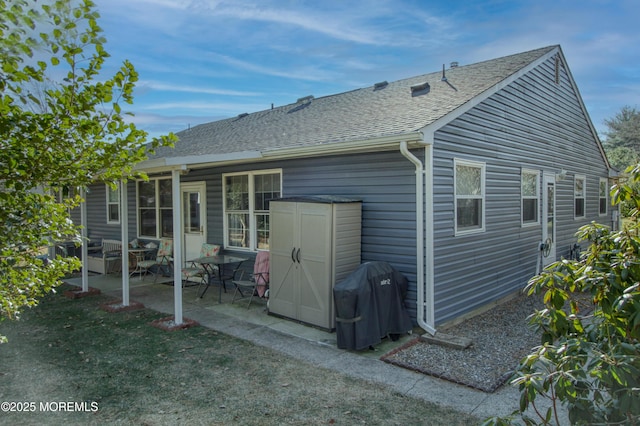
[380,85]
[305,99]
[420,89]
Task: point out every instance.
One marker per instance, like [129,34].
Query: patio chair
[258,283]
[162,262]
[195,271]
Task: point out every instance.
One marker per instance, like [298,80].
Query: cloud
[311,73]
[334,25]
[204,106]
[171,87]
[373,23]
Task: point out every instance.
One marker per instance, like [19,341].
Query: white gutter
[373,144]
[213,158]
[168,164]
[424,288]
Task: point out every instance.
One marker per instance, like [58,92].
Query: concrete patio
[159,296]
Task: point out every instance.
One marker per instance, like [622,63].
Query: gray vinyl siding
[533,123]
[384,181]
[97,226]
[96,205]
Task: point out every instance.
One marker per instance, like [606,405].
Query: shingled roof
[377,111]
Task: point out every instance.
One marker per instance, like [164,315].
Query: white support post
[124,233]
[177,246]
[83,234]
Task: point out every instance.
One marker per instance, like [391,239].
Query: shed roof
[373,112]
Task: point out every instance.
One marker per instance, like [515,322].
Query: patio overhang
[178,164]
[168,164]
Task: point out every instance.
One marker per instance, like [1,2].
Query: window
[603,192]
[469,199]
[246,205]
[155,208]
[63,194]
[530,195]
[113,204]
[579,196]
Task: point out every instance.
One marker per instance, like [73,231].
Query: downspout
[425,319]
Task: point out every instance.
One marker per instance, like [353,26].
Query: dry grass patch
[70,350]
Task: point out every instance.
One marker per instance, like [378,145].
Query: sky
[204,60]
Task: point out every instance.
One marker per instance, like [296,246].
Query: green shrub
[589,357]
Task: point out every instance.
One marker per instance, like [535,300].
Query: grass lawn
[116,368]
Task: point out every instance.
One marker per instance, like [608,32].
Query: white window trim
[584,196]
[157,208]
[537,197]
[253,236]
[109,203]
[606,196]
[482,167]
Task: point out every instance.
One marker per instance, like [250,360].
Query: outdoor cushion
[196,270]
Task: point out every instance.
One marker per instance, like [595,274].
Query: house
[470,178]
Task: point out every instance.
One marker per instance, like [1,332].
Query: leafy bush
[589,359]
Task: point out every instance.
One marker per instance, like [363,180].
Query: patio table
[138,255]
[214,267]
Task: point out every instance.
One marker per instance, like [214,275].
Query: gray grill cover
[370,305]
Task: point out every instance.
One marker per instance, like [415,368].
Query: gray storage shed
[315,242]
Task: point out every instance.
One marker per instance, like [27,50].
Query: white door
[194,218]
[549,218]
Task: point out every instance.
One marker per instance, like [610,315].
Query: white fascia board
[195,161]
[200,160]
[151,164]
[430,129]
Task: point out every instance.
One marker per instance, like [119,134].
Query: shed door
[315,301]
[283,277]
[549,217]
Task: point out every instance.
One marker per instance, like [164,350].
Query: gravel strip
[501,337]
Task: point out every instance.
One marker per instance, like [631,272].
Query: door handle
[293,259]
[298,256]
